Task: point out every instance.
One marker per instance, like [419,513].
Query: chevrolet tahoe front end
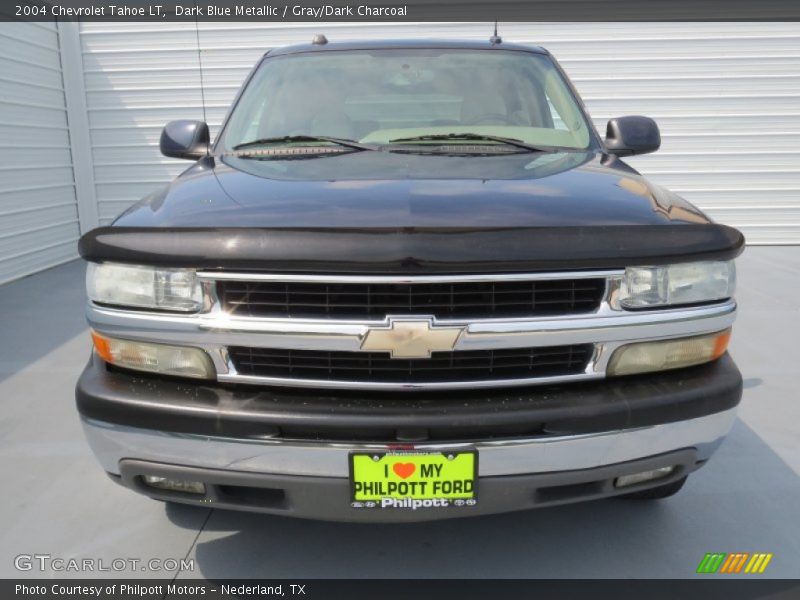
[408,301]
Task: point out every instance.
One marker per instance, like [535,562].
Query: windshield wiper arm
[476,137]
[304,138]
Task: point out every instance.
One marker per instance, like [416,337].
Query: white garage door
[38,208]
[727,98]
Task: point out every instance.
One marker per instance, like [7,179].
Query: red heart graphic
[404,470]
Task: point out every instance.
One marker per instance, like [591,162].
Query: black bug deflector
[413,250]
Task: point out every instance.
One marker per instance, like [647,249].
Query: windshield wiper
[287,139]
[475,137]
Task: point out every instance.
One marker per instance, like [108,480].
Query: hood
[393,189]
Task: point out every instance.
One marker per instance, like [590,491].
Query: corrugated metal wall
[726,95]
[38,207]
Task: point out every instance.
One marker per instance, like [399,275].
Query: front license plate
[412,480]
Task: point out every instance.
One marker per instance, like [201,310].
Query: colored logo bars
[737,562]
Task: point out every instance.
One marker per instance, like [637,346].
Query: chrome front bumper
[114,443]
[311,480]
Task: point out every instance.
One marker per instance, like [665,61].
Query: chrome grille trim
[606,328]
[465,278]
[400,387]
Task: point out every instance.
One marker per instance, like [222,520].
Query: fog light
[645,357]
[154,358]
[628,480]
[175,485]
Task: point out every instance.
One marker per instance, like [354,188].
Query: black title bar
[400,10]
[418,589]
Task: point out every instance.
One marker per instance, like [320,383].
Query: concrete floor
[57,501]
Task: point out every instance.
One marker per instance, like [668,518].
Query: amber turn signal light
[646,357]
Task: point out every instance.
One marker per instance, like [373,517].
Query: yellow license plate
[413,480]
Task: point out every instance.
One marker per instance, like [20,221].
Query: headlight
[181,361]
[646,357]
[671,285]
[144,287]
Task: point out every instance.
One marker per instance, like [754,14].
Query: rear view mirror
[185,139]
[630,135]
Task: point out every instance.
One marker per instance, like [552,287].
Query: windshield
[383,96]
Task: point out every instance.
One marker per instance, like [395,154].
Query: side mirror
[632,135]
[185,139]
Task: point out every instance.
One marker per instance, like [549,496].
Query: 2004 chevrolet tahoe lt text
[408,281]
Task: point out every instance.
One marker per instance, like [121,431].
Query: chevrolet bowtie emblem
[409,338]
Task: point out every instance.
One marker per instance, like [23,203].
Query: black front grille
[481,299]
[470,365]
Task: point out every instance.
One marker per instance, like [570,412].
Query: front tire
[657,493]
